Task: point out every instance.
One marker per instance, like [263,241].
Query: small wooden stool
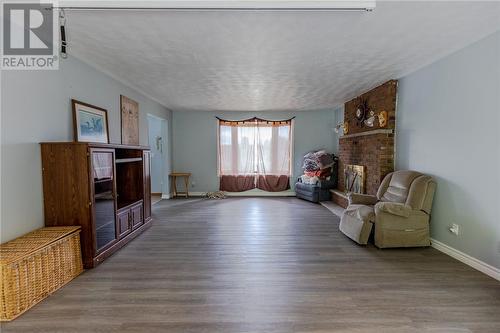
[184,175]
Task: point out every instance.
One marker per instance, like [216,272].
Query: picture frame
[90,123]
[129,111]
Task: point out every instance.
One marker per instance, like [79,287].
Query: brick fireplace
[370,147]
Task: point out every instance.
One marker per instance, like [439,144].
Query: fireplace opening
[354,178]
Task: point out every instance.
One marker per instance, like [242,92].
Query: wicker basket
[35,265]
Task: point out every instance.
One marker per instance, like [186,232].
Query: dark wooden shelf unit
[104,188]
[128,160]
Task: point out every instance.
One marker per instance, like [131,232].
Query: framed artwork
[90,123]
[130,120]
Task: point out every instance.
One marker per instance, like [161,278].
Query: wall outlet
[193,184]
[455,229]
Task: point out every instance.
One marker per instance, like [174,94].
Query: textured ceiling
[250,61]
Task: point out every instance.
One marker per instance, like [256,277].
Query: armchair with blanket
[320,175]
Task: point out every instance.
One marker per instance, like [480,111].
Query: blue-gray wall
[195,140]
[448,125]
[36,107]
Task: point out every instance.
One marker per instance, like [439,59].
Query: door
[104,193]
[157,132]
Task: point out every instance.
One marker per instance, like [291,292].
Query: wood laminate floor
[265,265]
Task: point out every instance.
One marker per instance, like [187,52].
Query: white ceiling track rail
[230,5]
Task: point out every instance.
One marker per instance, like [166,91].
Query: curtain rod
[254,118]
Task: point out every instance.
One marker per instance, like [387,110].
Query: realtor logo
[29,37]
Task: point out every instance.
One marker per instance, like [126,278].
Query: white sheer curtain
[236,150]
[274,149]
[255,151]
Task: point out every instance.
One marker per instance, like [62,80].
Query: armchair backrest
[408,187]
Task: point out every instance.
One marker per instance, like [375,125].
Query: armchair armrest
[362,199]
[394,208]
[326,184]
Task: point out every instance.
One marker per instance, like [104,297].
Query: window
[255,150]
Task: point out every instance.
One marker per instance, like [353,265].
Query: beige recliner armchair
[400,211]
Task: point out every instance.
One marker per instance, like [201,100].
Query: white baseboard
[191,194]
[196,194]
[467,259]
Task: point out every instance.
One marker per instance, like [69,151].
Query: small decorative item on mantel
[346,127]
[90,123]
[362,111]
[370,121]
[382,119]
[342,125]
[129,120]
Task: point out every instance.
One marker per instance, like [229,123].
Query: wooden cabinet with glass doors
[103,188]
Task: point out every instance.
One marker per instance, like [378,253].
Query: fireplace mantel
[373,132]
